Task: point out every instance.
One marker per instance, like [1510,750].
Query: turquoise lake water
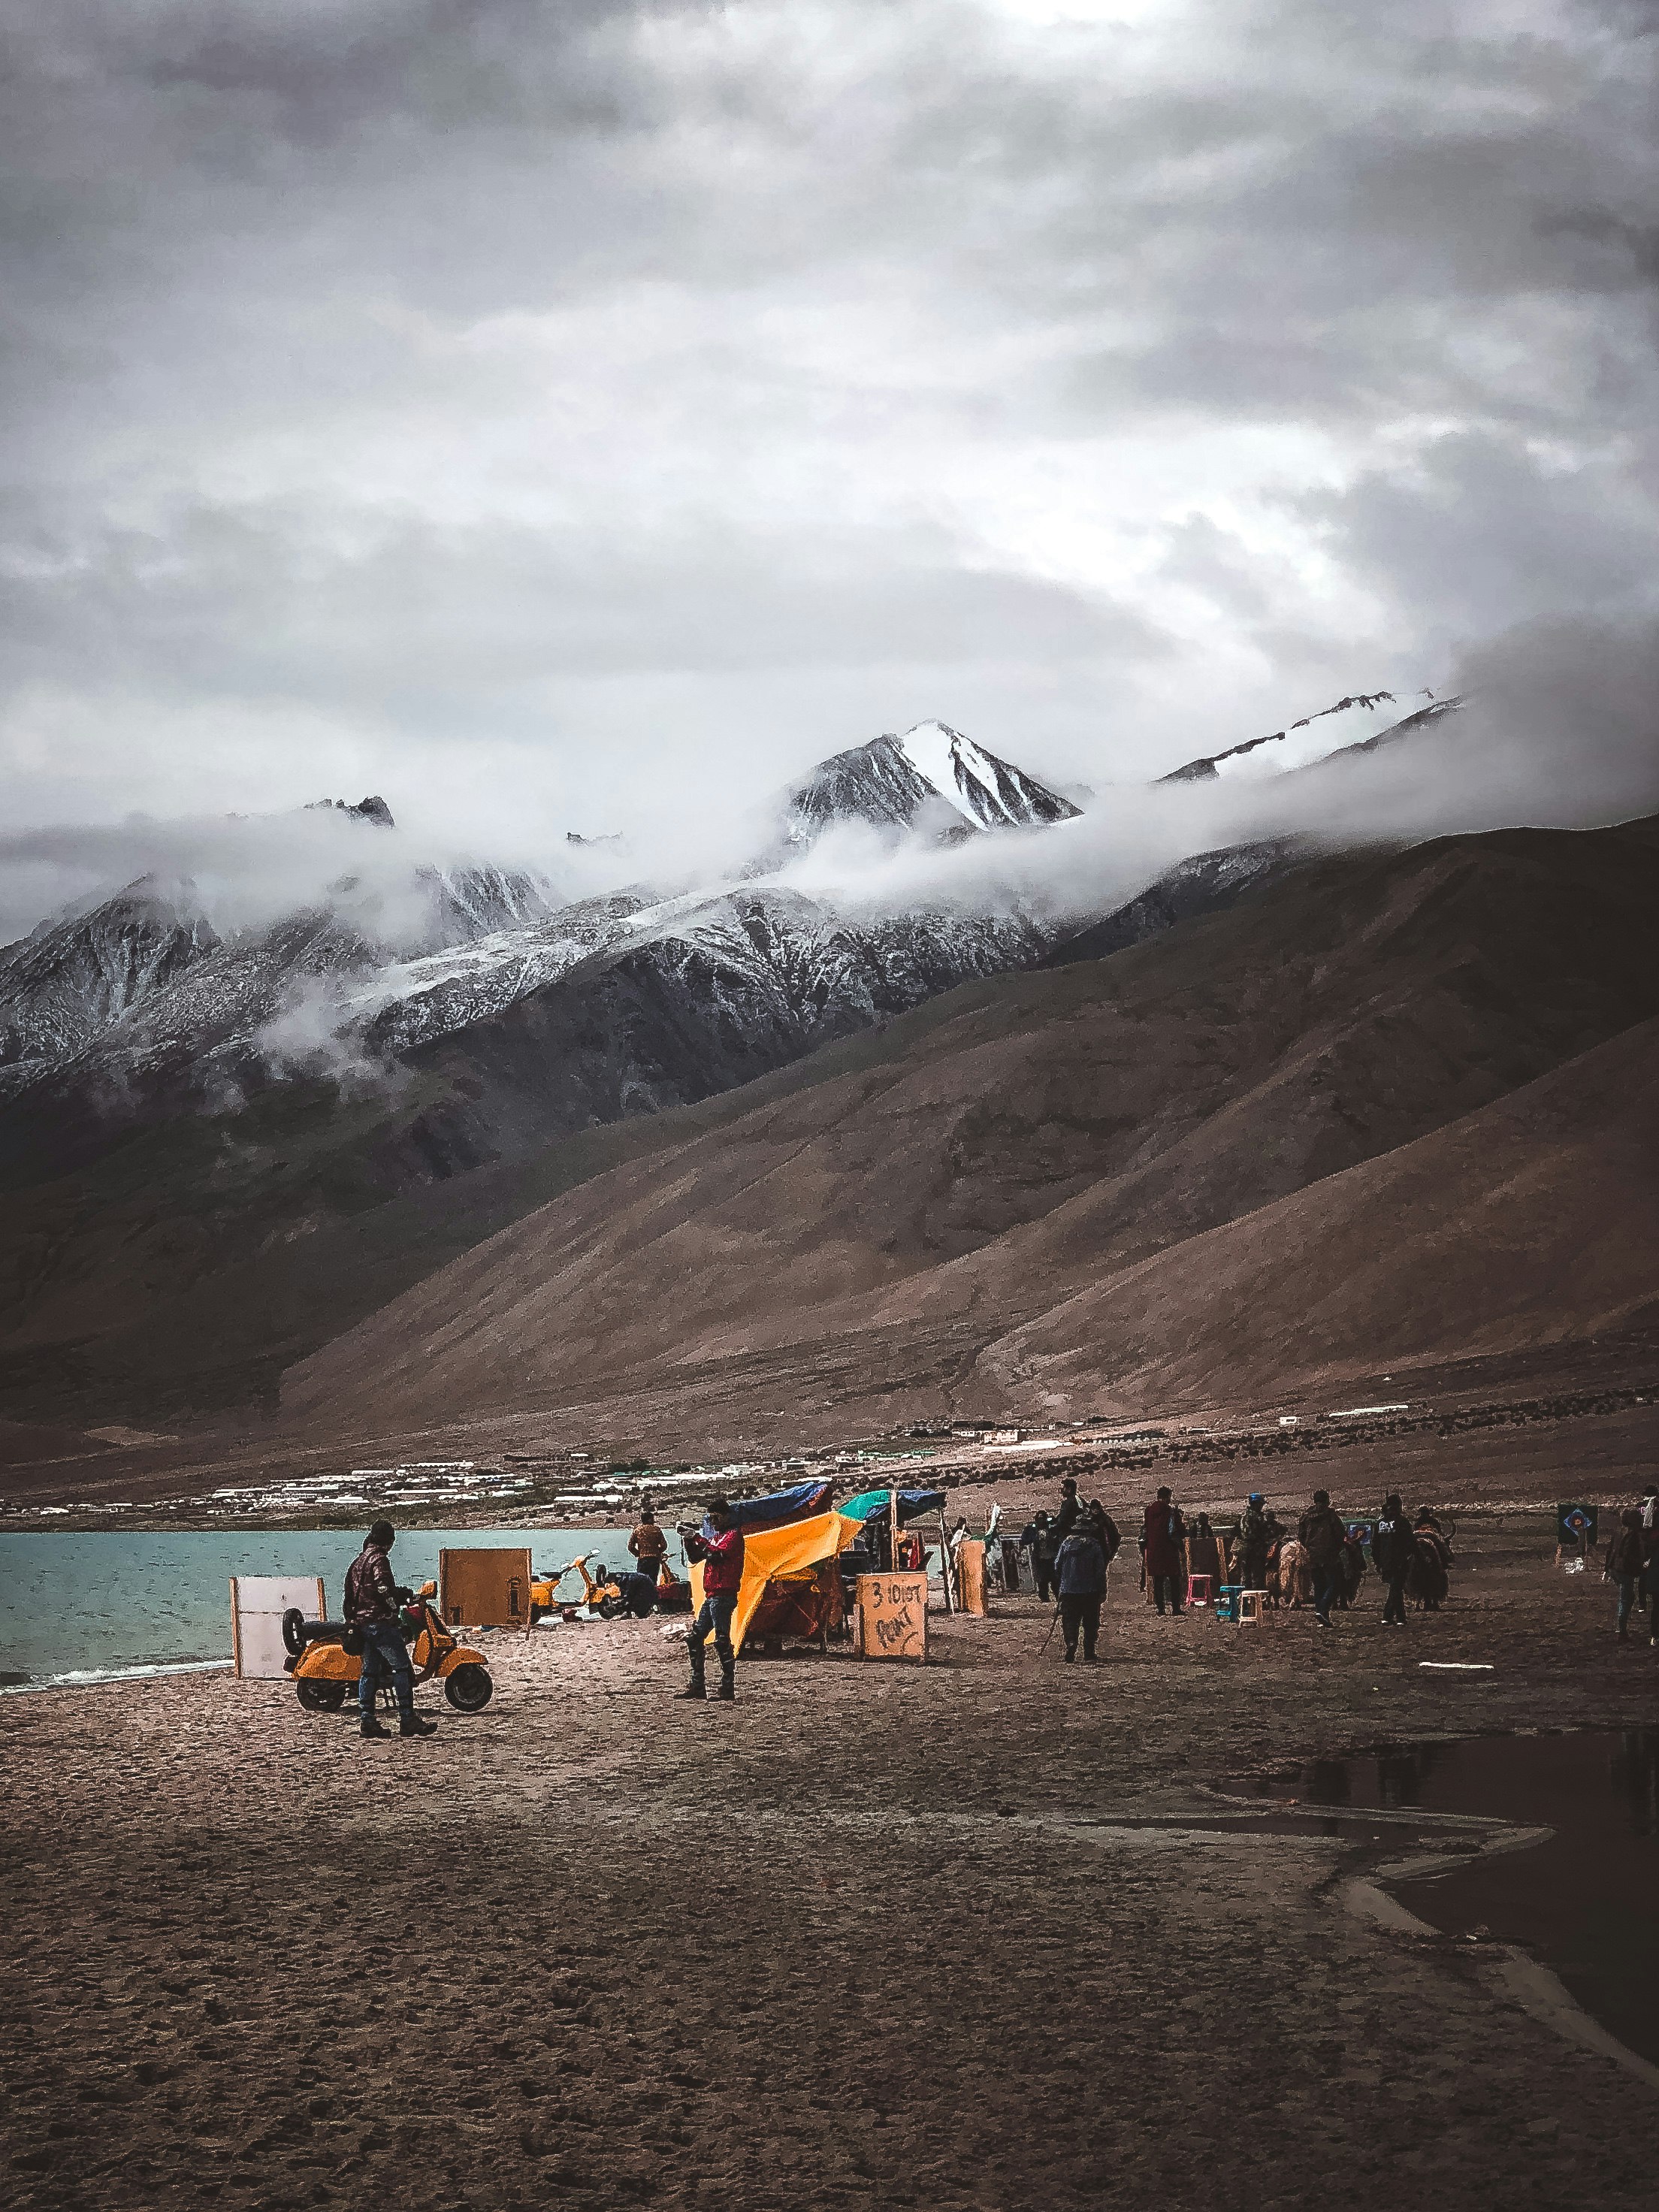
[85,1607]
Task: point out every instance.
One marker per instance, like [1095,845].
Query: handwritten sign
[892,1616]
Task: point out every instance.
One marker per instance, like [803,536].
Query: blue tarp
[870,1506]
[798,1503]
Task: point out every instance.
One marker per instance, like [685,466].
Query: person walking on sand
[371,1599]
[720,1547]
[1161,1541]
[1081,1570]
[1322,1535]
[1623,1566]
[1393,1549]
[649,1546]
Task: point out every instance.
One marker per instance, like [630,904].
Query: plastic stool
[1226,1602]
[1200,1589]
[1252,1607]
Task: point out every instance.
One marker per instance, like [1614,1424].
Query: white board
[257,1603]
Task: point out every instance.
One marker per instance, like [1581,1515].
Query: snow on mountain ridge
[898,782]
[70,980]
[1282,752]
[990,793]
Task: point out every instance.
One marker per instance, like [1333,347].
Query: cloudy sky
[543,413]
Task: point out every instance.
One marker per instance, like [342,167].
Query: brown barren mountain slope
[861,1241]
[1533,1220]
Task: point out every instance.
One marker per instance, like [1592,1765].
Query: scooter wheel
[320,1697]
[469,1689]
[294,1631]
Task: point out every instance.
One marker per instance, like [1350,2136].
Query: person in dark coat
[1393,1549]
[1322,1535]
[1081,1568]
[1038,1538]
[1070,1508]
[1623,1566]
[1204,1550]
[1160,1538]
[1105,1529]
[1353,1570]
[1250,1545]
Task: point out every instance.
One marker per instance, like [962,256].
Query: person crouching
[1080,1570]
[720,1547]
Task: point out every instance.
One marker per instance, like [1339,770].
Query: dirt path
[853,1941]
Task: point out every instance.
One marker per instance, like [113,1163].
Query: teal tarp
[871,1505]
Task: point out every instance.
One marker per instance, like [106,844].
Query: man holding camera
[720,1547]
[372,1600]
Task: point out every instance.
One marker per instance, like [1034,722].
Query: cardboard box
[486,1588]
[892,1617]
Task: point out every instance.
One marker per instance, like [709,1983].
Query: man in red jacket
[720,1547]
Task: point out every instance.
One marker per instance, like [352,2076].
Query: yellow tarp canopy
[783,1551]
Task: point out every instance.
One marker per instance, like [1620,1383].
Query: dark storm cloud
[582,400]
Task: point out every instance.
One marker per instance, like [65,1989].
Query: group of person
[1072,1550]
[1071,1553]
[1631,1564]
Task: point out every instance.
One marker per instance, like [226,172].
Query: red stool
[1200,1589]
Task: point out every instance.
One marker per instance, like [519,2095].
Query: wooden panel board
[486,1588]
[257,1603]
[970,1570]
[892,1616]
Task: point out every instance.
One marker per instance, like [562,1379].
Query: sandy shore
[854,1940]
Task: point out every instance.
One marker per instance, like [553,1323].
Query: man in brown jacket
[371,1599]
[648,1545]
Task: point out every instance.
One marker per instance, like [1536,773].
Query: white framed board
[257,1603]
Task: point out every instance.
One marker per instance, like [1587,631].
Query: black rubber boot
[371,1727]
[412,1724]
[728,1688]
[695,1688]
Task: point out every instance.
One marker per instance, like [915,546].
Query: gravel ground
[852,1940]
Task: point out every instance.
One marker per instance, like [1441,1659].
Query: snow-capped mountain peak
[899,781]
[993,794]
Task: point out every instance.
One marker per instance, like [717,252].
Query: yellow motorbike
[326,1669]
[603,1593]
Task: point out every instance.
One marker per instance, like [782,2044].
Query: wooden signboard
[484,1589]
[970,1567]
[892,1616]
[257,1603]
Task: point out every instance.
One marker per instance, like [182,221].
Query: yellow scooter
[603,1593]
[326,1673]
